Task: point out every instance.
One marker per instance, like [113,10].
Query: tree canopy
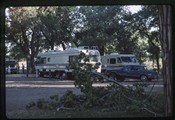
[111,28]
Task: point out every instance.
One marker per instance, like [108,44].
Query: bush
[68,99]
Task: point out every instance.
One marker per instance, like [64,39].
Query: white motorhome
[116,60]
[55,63]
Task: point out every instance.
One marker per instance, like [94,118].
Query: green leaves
[82,71]
[68,99]
[111,28]
[55,25]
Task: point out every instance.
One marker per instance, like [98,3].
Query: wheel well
[143,75]
[112,73]
[61,72]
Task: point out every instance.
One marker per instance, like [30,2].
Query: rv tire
[41,74]
[57,75]
[121,79]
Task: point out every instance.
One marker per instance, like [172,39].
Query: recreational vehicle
[11,66]
[114,60]
[55,63]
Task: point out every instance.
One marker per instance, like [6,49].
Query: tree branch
[65,108]
[131,99]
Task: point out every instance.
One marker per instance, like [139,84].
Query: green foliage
[82,71]
[55,25]
[68,99]
[145,25]
[22,32]
[54,97]
[157,103]
[15,53]
[42,104]
[30,105]
[111,28]
[45,104]
[112,98]
[108,28]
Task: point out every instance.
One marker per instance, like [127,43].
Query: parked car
[131,71]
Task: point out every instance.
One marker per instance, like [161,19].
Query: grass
[89,113]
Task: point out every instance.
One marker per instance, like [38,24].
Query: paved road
[20,90]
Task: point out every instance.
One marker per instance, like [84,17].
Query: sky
[134,8]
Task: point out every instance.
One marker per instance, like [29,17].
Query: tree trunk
[101,50]
[27,64]
[165,14]
[52,45]
[153,64]
[32,63]
[63,45]
[157,61]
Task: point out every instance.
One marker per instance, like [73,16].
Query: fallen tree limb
[149,94]
[119,84]
[109,79]
[131,99]
[65,108]
[154,113]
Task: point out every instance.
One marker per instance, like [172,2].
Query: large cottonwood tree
[21,30]
[165,18]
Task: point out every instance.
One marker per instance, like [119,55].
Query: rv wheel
[122,79]
[143,78]
[57,75]
[41,74]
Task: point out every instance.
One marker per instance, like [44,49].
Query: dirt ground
[21,90]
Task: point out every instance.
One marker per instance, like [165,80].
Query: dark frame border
[7,3]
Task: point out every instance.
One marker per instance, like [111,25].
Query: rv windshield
[41,60]
[10,63]
[129,59]
[94,59]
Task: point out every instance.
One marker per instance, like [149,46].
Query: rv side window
[133,59]
[112,61]
[93,58]
[126,59]
[71,58]
[86,47]
[42,60]
[48,59]
[119,60]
